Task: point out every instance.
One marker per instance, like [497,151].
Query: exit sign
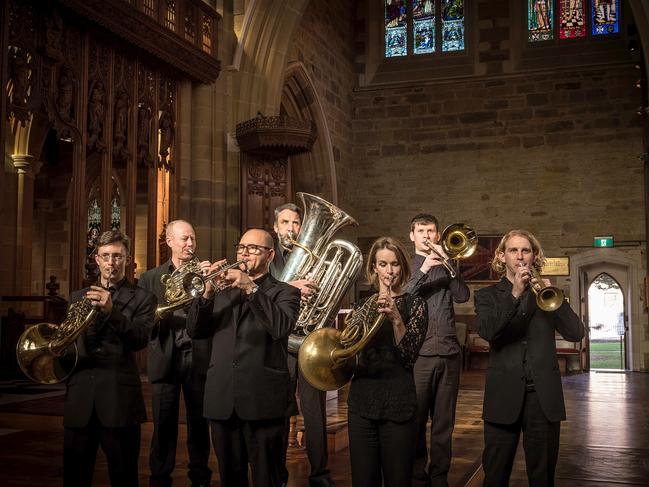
[604,241]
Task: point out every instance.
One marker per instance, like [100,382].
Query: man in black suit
[523,385]
[288,222]
[103,401]
[437,369]
[176,363]
[248,385]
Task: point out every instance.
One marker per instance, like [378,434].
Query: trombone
[548,298]
[458,241]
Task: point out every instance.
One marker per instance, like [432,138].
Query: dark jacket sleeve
[134,332]
[500,315]
[426,284]
[201,322]
[277,316]
[567,323]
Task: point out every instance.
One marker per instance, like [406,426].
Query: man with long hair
[523,385]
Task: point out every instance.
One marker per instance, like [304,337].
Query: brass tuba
[48,353]
[327,357]
[332,265]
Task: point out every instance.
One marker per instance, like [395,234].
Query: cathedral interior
[128,114]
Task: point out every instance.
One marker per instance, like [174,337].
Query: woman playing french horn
[382,399]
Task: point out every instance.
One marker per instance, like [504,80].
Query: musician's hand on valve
[306,287]
[385,304]
[521,279]
[238,279]
[100,298]
[210,288]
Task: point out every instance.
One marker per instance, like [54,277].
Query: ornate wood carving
[146,32]
[166,122]
[276,136]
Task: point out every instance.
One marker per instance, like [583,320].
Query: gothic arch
[260,57]
[315,171]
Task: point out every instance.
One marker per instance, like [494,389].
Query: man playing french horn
[177,363]
[103,401]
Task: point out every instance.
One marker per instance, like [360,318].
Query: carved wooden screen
[113,110]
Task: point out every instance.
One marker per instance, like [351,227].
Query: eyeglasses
[252,249]
[109,257]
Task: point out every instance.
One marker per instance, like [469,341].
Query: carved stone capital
[22,162]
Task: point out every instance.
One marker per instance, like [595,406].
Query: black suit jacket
[278,262]
[510,325]
[161,343]
[106,376]
[248,372]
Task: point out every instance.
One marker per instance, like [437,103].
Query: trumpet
[187,283]
[195,284]
[548,298]
[458,241]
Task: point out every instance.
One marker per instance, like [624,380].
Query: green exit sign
[604,241]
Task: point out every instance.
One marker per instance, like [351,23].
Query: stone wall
[323,42]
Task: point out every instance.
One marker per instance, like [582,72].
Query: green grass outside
[606,355]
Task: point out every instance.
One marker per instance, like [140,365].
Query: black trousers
[313,408]
[238,442]
[381,448]
[120,445]
[540,441]
[437,380]
[166,406]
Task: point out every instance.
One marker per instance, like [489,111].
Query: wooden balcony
[182,33]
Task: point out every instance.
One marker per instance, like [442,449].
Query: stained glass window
[572,16]
[605,17]
[540,19]
[115,208]
[452,25]
[432,21]
[423,26]
[396,25]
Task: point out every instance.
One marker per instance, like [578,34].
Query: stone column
[24,216]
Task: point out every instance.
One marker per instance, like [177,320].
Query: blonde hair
[399,250]
[539,256]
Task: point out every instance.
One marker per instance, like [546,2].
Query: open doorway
[606,323]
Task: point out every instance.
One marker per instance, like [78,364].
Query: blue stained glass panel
[605,17]
[452,25]
[540,19]
[423,26]
[396,24]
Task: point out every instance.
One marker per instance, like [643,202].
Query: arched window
[606,323]
[415,27]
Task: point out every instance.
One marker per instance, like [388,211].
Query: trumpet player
[437,370]
[382,400]
[176,363]
[288,222]
[248,385]
[523,386]
[103,401]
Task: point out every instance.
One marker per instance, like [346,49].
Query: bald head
[257,264]
[181,239]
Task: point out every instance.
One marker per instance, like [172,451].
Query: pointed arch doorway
[607,306]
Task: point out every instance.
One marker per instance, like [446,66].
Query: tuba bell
[332,265]
[327,357]
[47,353]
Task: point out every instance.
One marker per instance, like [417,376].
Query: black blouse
[383,387]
